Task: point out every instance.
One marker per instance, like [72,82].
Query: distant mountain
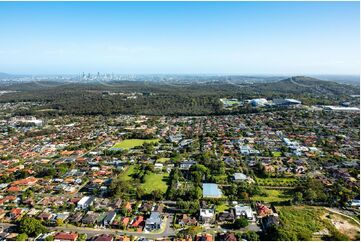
[305,85]
[343,79]
[4,75]
[33,85]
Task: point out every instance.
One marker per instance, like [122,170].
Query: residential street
[90,232]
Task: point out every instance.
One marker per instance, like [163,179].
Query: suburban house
[226,216]
[153,222]
[245,211]
[158,166]
[90,218]
[66,236]
[103,237]
[85,202]
[15,213]
[186,165]
[240,177]
[227,237]
[109,218]
[263,210]
[203,237]
[187,221]
[138,221]
[206,215]
[269,221]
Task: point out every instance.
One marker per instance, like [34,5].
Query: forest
[155,98]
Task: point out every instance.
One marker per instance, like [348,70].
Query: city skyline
[180,37]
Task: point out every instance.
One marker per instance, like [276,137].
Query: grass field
[301,220]
[305,221]
[131,143]
[155,181]
[276,182]
[127,174]
[272,196]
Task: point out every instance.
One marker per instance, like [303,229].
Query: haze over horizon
[254,38]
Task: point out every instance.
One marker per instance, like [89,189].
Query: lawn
[162,160]
[276,154]
[155,181]
[277,182]
[273,196]
[127,174]
[222,207]
[131,143]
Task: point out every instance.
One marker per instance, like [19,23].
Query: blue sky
[180,37]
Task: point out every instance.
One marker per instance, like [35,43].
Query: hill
[304,85]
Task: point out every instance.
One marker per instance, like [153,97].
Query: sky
[180,37]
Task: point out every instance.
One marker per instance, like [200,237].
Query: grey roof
[154,218]
[110,216]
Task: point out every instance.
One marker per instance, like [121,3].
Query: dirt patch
[342,224]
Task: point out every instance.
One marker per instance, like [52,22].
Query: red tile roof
[66,236]
[138,220]
[125,221]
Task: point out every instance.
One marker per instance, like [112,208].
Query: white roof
[240,176]
[240,209]
[206,213]
[83,200]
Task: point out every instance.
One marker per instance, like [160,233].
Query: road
[90,232]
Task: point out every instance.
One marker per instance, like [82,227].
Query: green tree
[59,222]
[140,192]
[31,227]
[157,194]
[250,236]
[119,187]
[21,237]
[82,237]
[241,223]
[298,197]
[49,238]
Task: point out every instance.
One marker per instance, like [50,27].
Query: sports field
[131,143]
